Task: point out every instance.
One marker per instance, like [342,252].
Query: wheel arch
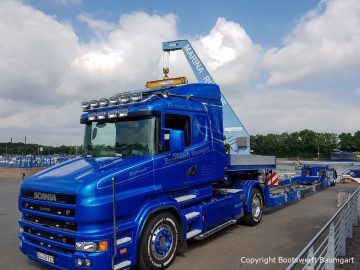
[248,186]
[148,212]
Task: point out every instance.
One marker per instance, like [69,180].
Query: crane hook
[166,69]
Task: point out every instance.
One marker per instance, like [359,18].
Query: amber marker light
[103,245]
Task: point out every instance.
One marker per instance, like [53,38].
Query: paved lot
[281,233]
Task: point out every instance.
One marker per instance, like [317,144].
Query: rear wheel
[159,242]
[253,218]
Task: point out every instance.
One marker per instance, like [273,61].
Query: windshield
[121,137]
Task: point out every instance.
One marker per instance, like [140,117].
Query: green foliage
[22,149]
[304,144]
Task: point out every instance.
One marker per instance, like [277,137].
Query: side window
[199,130]
[179,122]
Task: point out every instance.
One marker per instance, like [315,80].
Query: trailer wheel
[257,205]
[159,242]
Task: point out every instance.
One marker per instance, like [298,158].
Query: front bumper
[100,260]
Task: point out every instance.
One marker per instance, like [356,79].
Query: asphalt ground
[282,233]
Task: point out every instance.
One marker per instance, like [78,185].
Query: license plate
[45,257]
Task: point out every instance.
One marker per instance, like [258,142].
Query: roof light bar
[163,82]
[123,98]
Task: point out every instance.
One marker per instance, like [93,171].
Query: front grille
[49,196]
[51,236]
[40,243]
[52,223]
[49,209]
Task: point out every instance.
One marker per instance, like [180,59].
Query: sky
[284,65]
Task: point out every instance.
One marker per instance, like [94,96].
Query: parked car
[352,176]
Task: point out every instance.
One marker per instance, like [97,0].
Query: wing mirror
[176,140]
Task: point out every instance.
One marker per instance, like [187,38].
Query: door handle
[191,171]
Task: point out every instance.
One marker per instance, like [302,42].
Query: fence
[14,161]
[330,242]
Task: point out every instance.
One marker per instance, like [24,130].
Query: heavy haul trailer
[155,173]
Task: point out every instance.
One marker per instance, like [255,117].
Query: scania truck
[160,166]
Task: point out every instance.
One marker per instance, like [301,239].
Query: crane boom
[234,131]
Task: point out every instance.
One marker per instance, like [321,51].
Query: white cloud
[325,41]
[68,2]
[47,72]
[126,58]
[99,27]
[35,52]
[230,54]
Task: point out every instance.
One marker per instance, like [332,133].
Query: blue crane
[234,131]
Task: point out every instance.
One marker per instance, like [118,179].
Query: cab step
[122,265]
[192,215]
[123,240]
[216,229]
[185,198]
[192,233]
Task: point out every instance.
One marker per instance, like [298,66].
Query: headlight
[91,246]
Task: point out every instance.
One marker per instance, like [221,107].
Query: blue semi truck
[159,167]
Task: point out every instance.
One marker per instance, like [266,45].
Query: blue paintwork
[145,185]
[248,186]
[309,175]
[354,173]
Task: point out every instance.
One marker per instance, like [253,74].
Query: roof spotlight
[165,94]
[92,117]
[122,113]
[136,97]
[94,103]
[85,104]
[112,114]
[104,102]
[124,99]
[114,100]
[101,115]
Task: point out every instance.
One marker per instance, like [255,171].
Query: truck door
[189,166]
[202,149]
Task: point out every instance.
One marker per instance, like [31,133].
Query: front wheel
[257,205]
[159,242]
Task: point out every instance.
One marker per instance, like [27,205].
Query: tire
[159,242]
[257,206]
